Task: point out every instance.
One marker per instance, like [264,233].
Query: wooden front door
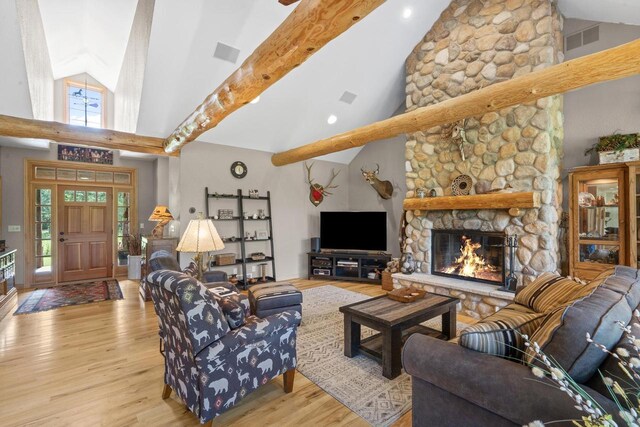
[84,233]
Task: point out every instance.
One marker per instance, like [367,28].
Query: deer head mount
[384,188]
[318,192]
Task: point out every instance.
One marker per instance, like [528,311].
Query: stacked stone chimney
[475,44]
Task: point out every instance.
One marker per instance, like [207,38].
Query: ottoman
[273,298]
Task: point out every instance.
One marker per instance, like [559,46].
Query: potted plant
[617,148]
[134,248]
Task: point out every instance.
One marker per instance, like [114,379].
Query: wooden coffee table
[395,321]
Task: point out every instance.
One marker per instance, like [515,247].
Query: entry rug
[356,382]
[64,295]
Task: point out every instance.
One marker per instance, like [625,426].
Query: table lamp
[199,237]
[162,216]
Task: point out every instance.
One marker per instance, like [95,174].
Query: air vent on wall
[591,35]
[348,97]
[226,53]
[585,37]
[574,41]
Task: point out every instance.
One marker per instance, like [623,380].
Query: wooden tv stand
[349,266]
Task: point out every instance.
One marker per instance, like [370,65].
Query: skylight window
[84,104]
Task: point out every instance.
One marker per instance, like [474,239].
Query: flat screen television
[356,231]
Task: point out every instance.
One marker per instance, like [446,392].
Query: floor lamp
[200,236]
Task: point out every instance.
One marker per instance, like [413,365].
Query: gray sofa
[456,386]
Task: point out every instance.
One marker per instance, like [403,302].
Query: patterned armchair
[209,365]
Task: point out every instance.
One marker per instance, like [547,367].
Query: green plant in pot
[616,142]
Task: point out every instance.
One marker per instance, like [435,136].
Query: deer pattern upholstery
[191,269]
[238,298]
[210,367]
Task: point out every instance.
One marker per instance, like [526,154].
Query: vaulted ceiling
[181,70]
[87,37]
[367,60]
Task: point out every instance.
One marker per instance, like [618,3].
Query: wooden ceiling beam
[611,64]
[309,27]
[60,132]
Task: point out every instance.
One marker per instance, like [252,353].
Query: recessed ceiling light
[332,119]
[407,12]
[256,100]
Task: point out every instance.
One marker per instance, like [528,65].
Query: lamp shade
[201,236]
[161,213]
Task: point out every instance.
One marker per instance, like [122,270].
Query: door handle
[61,239]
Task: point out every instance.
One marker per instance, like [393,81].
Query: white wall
[14,87]
[389,154]
[603,109]
[13,193]
[37,59]
[161,181]
[295,219]
[129,88]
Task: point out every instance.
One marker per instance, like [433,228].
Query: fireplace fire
[470,264]
[473,255]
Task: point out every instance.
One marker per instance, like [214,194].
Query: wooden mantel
[523,200]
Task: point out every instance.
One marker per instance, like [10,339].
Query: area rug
[356,382]
[65,295]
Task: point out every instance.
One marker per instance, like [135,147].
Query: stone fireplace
[474,44]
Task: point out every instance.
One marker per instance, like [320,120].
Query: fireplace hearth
[470,255]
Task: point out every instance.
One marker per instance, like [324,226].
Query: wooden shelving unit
[244,260]
[8,292]
[347,266]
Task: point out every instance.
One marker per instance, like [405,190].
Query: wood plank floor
[98,364]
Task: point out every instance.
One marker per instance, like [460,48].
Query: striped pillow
[605,273]
[501,333]
[545,332]
[547,292]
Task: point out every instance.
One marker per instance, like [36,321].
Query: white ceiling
[87,37]
[368,60]
[613,11]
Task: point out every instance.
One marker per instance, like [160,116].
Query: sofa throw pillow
[233,312]
[562,334]
[547,292]
[501,333]
[191,269]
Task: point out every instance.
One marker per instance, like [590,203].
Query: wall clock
[238,169]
